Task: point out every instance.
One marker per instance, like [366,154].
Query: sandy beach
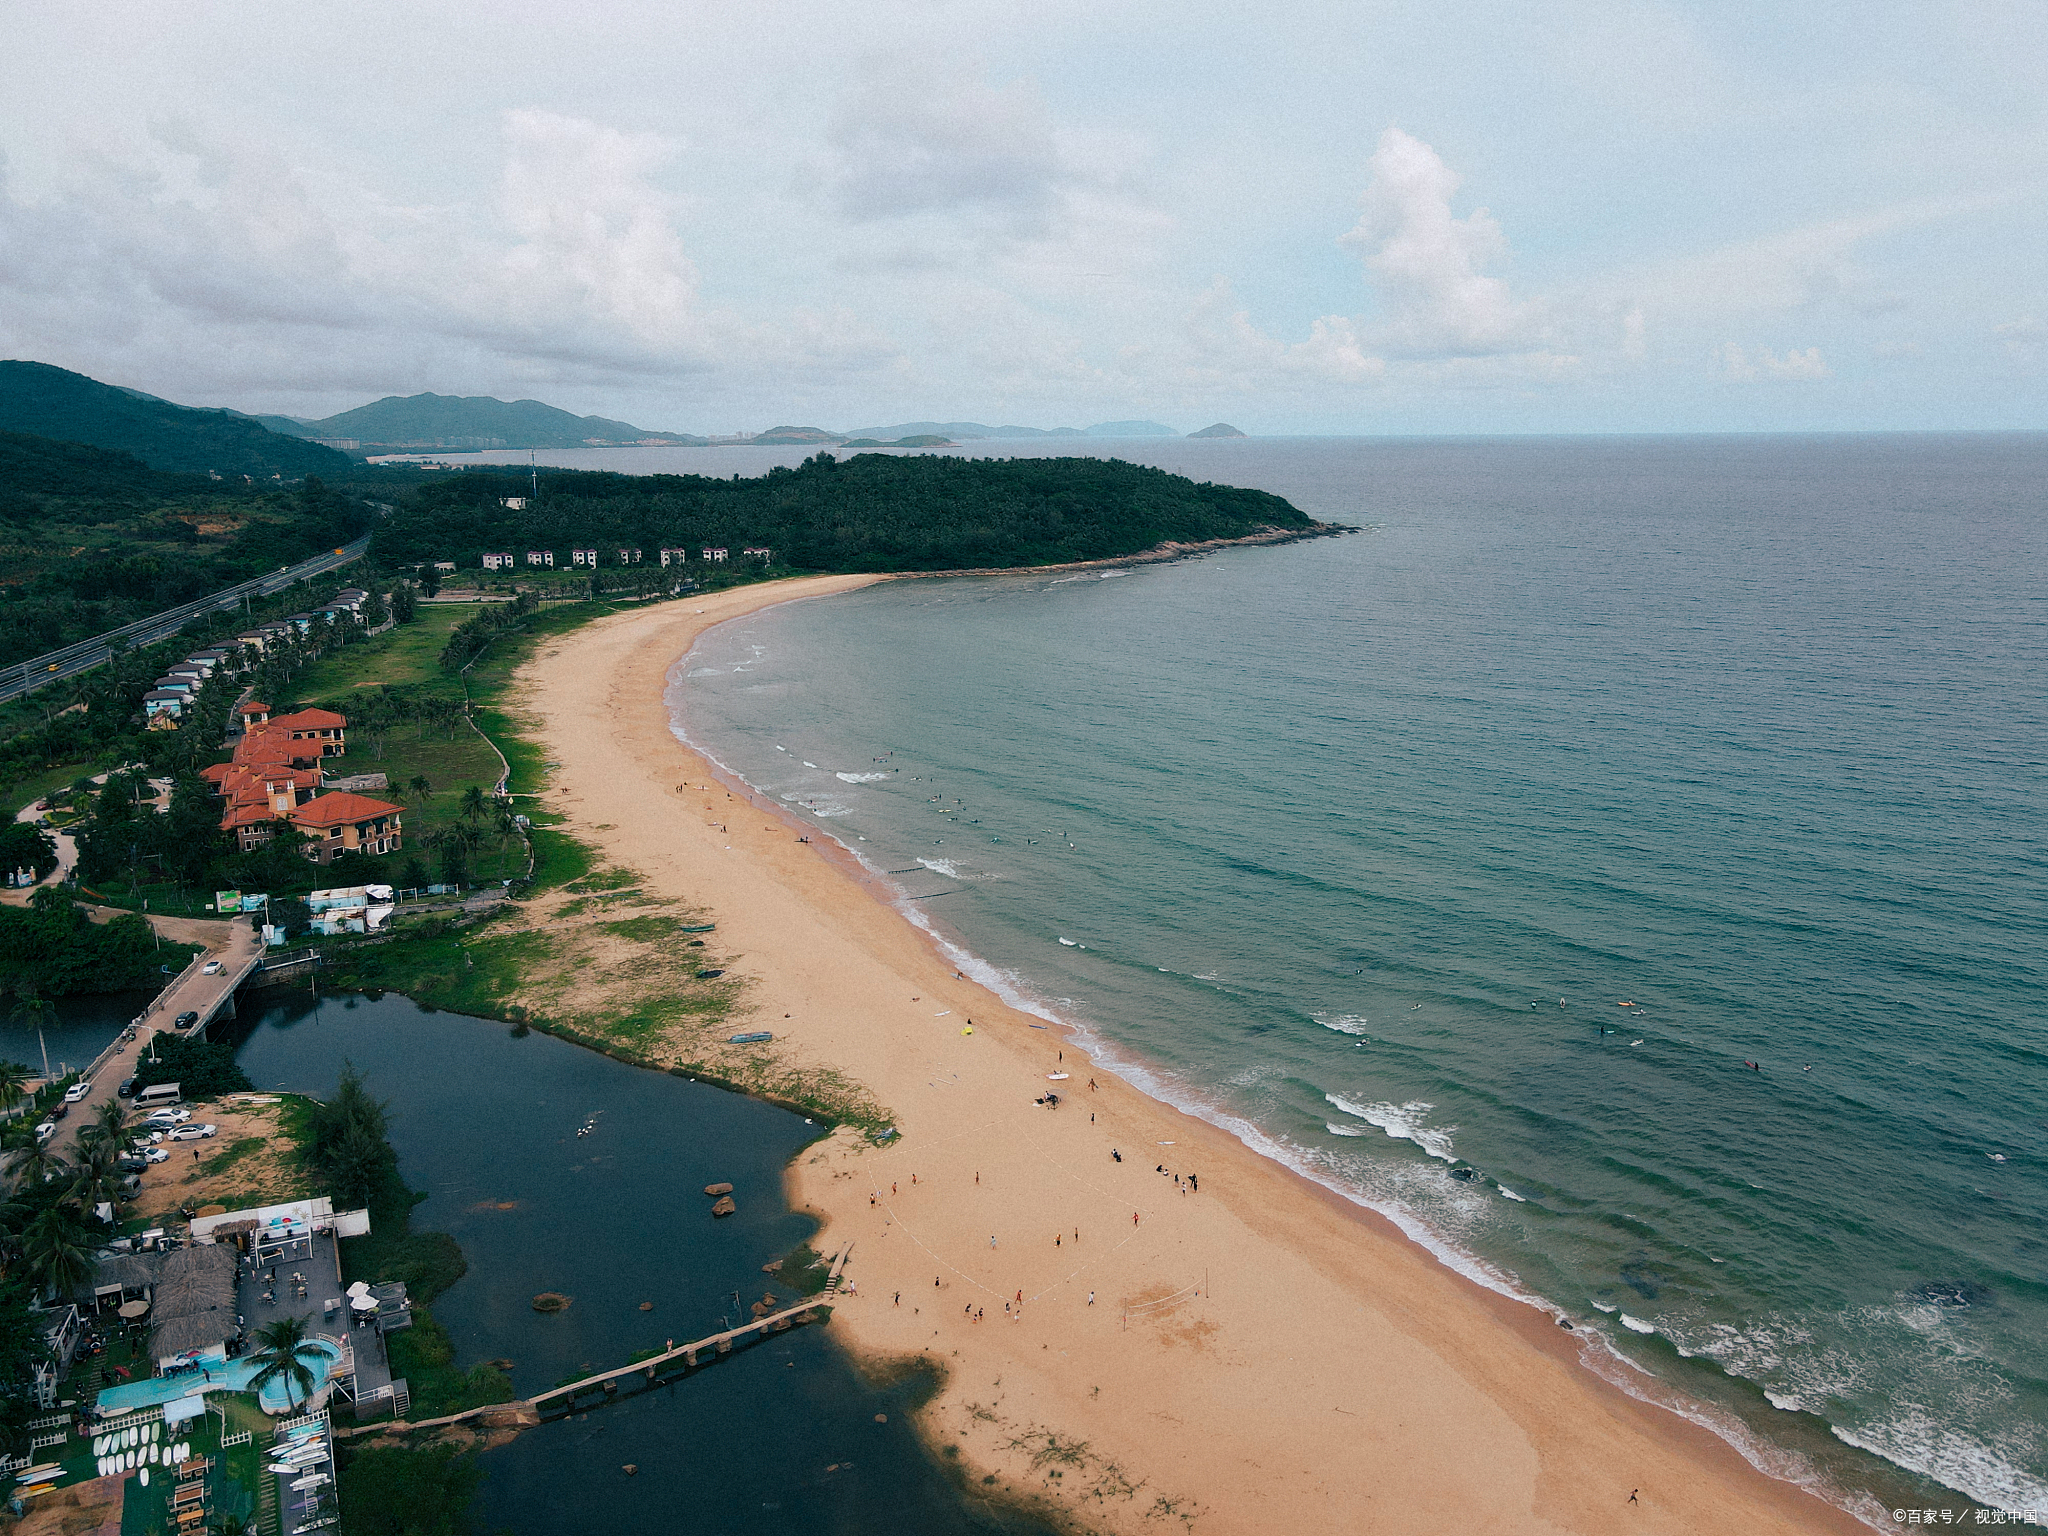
[1258,1356]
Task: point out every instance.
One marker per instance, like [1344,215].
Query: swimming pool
[232,1376]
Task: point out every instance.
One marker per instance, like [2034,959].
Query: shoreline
[851,974]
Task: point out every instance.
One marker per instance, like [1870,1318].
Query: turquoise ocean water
[1464,863]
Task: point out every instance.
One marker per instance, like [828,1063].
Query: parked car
[191,1133]
[187,1019]
[131,1164]
[76,1093]
[167,1116]
[211,968]
[45,1131]
[127,1088]
[155,1155]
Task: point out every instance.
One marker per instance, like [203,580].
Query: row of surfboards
[142,1456]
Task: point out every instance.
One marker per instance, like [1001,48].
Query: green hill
[56,403]
[874,512]
[476,421]
[91,538]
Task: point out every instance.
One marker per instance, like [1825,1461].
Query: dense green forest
[91,539]
[51,947]
[873,512]
[54,402]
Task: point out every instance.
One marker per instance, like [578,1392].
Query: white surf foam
[1403,1122]
[861,778]
[1345,1130]
[1914,1439]
[1518,1199]
[1636,1324]
[941,867]
[1596,1353]
[1343,1023]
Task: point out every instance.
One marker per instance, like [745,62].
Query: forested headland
[92,538]
[873,512]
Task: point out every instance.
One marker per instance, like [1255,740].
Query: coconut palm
[35,1163]
[282,1350]
[421,788]
[13,1078]
[96,1176]
[474,806]
[57,1251]
[107,1124]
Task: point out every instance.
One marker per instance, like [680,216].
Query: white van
[158,1096]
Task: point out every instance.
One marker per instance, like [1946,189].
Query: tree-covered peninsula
[873,512]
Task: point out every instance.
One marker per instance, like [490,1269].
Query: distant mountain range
[974,431]
[402,422]
[56,403]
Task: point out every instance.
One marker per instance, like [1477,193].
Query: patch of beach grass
[424,1356]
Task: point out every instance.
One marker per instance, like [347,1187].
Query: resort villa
[276,775]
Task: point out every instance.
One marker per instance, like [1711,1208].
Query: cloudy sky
[1299,217]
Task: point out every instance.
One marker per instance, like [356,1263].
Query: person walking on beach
[1091,1298]
[991,1239]
[1632,1495]
[1134,1218]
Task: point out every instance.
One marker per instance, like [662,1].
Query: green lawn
[408,654]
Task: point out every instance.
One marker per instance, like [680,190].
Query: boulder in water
[551,1301]
[724,1207]
[717,1189]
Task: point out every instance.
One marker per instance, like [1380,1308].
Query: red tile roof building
[275,776]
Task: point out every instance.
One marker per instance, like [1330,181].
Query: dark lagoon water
[81,1028]
[1467,864]
[780,1436]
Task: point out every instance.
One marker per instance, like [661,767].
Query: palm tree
[106,1125]
[96,1176]
[31,1009]
[13,1078]
[57,1251]
[282,1351]
[420,788]
[36,1163]
[474,806]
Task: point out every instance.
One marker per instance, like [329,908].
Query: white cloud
[931,167]
[1429,266]
[2026,339]
[237,273]
[1732,361]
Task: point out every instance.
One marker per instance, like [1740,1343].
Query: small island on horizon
[1218,429]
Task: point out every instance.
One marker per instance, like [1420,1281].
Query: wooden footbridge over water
[564,1399]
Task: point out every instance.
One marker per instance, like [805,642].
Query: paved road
[83,655]
[234,944]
